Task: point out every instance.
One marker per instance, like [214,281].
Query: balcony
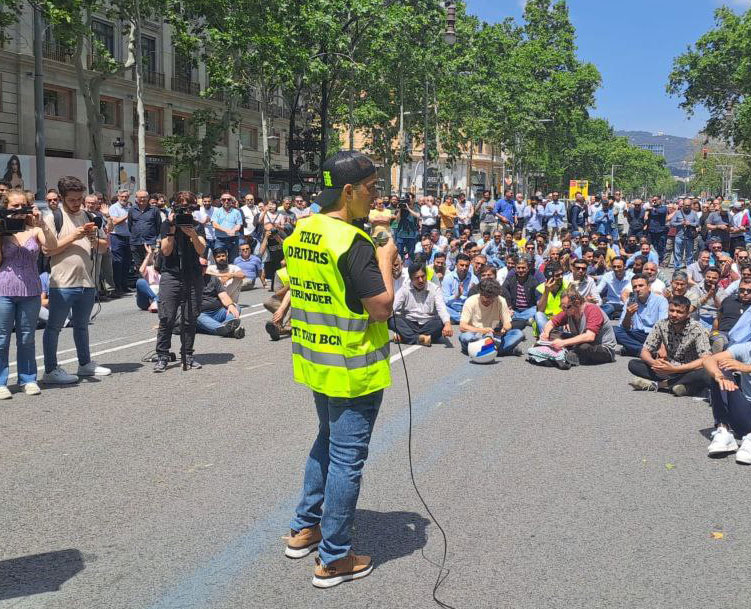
[57,52]
[185,85]
[154,79]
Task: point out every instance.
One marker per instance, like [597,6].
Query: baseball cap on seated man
[345,167]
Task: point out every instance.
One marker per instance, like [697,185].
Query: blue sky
[633,44]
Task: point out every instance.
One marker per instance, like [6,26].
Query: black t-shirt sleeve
[361,273]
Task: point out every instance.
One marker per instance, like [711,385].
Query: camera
[184,215]
[98,221]
[404,202]
[13,220]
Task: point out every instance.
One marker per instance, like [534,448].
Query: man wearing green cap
[342,293]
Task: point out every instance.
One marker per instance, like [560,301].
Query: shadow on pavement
[389,535]
[124,367]
[212,359]
[38,573]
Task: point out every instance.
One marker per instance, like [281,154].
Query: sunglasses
[744,290]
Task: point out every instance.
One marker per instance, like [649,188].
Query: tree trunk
[292,170]
[265,139]
[136,25]
[324,125]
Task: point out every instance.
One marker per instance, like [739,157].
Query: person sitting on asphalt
[486,272]
[456,286]
[147,286]
[420,315]
[583,329]
[709,296]
[730,396]
[487,314]
[656,285]
[585,284]
[673,355]
[642,312]
[250,265]
[645,250]
[219,315]
[728,315]
[549,295]
[494,249]
[438,268]
[230,275]
[696,269]
[520,292]
[611,286]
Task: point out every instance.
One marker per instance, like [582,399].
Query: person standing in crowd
[250,212]
[181,282]
[299,208]
[657,225]
[637,218]
[576,219]
[120,242]
[203,217]
[272,248]
[485,210]
[620,206]
[487,314]
[227,222]
[53,199]
[464,213]
[718,225]
[420,315]
[555,214]
[639,316]
[581,328]
[448,214]
[144,222]
[730,393]
[407,217]
[347,397]
[380,218]
[428,215]
[605,220]
[72,283]
[686,223]
[504,210]
[20,292]
[673,354]
[520,208]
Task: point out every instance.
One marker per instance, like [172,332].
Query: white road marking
[405,353]
[259,304]
[101,342]
[251,314]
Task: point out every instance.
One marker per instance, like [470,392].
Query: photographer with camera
[22,236]
[72,281]
[181,282]
[273,240]
[407,218]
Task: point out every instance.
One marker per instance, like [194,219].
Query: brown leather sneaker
[342,570]
[424,340]
[302,543]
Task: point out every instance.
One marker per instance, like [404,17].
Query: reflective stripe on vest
[335,359]
[328,319]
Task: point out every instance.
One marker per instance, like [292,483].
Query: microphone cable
[443,572]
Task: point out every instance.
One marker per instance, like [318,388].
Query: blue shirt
[118,211]
[451,282]
[604,220]
[555,212]
[227,219]
[679,217]
[652,257]
[507,208]
[534,217]
[648,313]
[613,287]
[657,218]
[251,267]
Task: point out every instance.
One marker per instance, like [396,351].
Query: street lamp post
[119,146]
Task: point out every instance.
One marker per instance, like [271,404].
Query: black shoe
[192,363]
[228,327]
[572,358]
[161,363]
[239,333]
[273,330]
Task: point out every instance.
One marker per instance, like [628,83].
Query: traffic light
[704,153]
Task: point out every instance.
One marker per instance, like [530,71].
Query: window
[148,52]
[249,138]
[58,103]
[152,120]
[275,144]
[183,67]
[180,124]
[105,34]
[111,111]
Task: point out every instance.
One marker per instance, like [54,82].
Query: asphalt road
[556,489]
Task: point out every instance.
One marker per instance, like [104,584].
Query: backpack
[543,355]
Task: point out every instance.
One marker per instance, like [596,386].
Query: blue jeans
[540,320]
[209,322]
[612,308]
[659,240]
[504,344]
[684,251]
[525,314]
[334,469]
[144,294]
[121,261]
[231,244]
[454,308]
[632,341]
[78,302]
[23,311]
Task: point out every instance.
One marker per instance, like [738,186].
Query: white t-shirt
[428,213]
[249,214]
[234,285]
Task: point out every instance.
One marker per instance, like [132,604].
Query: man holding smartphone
[72,283]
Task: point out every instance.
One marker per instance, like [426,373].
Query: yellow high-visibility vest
[335,350]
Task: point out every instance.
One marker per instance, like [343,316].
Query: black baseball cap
[345,167]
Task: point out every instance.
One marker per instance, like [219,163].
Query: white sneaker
[59,377]
[744,452]
[5,393]
[723,442]
[31,389]
[92,369]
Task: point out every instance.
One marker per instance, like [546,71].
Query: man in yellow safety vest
[342,293]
